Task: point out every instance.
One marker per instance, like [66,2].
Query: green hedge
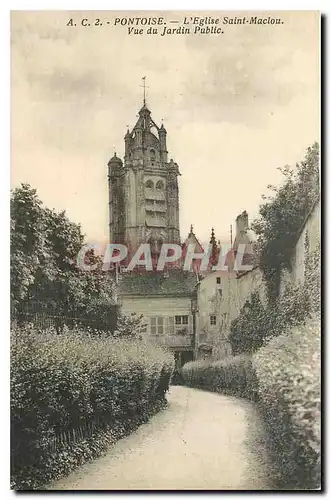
[64,384]
[289,374]
[232,375]
[284,379]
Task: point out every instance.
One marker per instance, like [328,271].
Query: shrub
[63,385]
[257,323]
[232,375]
[288,372]
[249,329]
[313,278]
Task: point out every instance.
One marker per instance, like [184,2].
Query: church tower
[143,190]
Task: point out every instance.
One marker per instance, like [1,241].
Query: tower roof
[115,160]
[144,109]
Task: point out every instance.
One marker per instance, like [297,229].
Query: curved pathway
[201,441]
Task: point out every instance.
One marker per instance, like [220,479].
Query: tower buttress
[116,199]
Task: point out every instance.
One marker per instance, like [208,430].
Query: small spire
[212,238]
[214,249]
[191,229]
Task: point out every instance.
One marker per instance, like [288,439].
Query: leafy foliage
[289,379]
[256,323]
[130,326]
[313,279]
[249,329]
[44,249]
[232,375]
[282,215]
[61,383]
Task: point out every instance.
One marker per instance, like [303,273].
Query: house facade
[222,294]
[167,303]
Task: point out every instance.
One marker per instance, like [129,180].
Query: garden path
[202,440]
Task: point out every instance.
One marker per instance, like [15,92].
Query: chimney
[241,223]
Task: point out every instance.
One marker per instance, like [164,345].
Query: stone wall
[310,234]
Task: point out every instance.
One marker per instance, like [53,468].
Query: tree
[248,331]
[130,326]
[282,215]
[27,241]
[44,249]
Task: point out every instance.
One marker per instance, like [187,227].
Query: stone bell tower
[143,190]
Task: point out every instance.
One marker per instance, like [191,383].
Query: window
[218,280]
[181,320]
[220,292]
[160,325]
[171,325]
[181,325]
[212,320]
[152,153]
[156,324]
[149,184]
[159,185]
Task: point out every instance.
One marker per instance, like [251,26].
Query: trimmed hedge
[284,379]
[63,384]
[289,374]
[232,375]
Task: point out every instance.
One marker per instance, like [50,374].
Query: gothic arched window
[152,154]
[159,185]
[149,184]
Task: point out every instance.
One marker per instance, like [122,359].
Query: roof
[115,160]
[144,109]
[192,240]
[174,282]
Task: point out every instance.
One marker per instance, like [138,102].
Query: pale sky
[236,106]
